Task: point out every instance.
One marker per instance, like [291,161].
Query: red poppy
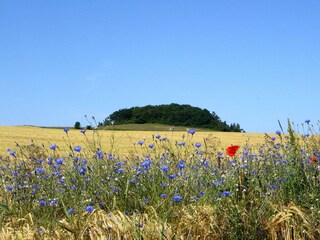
[314,159]
[232,150]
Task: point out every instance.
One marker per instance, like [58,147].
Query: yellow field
[124,141]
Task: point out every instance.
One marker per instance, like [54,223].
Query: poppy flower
[313,159]
[232,150]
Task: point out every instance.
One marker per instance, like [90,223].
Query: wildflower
[146,200]
[12,153]
[177,198]
[181,164]
[181,144]
[191,131]
[140,143]
[53,203]
[9,188]
[163,195]
[197,145]
[119,170]
[272,187]
[89,209]
[42,202]
[232,150]
[71,211]
[53,147]
[66,130]
[59,161]
[73,187]
[171,176]
[158,136]
[77,148]
[39,170]
[164,168]
[278,132]
[83,131]
[226,193]
[99,154]
[151,146]
[82,170]
[313,159]
[146,164]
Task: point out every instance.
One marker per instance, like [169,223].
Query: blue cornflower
[82,170]
[164,168]
[77,148]
[119,170]
[177,198]
[171,176]
[191,131]
[40,161]
[9,188]
[226,193]
[83,131]
[15,173]
[73,187]
[59,161]
[12,153]
[146,200]
[273,138]
[278,132]
[198,145]
[53,147]
[66,130]
[273,187]
[42,202]
[71,211]
[158,137]
[140,143]
[89,209]
[39,170]
[84,162]
[100,155]
[151,146]
[181,164]
[146,164]
[181,144]
[163,195]
[53,203]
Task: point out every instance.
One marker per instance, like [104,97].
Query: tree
[77,125]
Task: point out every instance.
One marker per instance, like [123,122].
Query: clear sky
[251,62]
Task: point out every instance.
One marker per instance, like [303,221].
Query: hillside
[173,115]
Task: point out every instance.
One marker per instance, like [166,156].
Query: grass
[165,187]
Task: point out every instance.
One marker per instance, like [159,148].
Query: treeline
[171,114]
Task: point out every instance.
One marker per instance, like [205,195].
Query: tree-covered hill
[171,114]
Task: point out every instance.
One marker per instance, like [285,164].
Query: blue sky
[251,62]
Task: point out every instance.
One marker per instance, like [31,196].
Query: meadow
[96,184]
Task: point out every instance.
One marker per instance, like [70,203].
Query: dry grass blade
[290,222]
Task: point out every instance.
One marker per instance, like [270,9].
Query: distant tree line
[171,114]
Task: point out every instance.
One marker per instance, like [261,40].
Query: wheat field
[120,142]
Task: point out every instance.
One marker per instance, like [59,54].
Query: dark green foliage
[172,114]
[77,125]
